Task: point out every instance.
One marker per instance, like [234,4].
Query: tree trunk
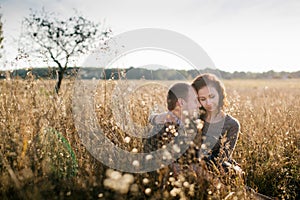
[59,77]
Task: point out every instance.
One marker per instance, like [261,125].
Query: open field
[43,157]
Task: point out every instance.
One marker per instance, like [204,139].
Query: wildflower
[218,186]
[203,146]
[149,157]
[117,182]
[128,178]
[185,112]
[178,184]
[174,192]
[148,191]
[199,124]
[172,179]
[127,139]
[186,184]
[145,181]
[115,175]
[187,122]
[109,172]
[100,195]
[176,148]
[134,150]
[181,178]
[136,163]
[192,190]
[167,155]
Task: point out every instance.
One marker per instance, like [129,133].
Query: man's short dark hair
[178,90]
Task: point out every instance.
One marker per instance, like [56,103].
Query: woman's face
[208,97]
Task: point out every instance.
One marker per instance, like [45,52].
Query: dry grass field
[42,155]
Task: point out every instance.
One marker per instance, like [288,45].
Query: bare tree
[58,41]
[1,34]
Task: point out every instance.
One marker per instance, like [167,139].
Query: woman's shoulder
[231,121]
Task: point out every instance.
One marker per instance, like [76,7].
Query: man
[183,106]
[181,98]
[176,134]
[182,101]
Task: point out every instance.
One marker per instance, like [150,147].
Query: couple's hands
[162,118]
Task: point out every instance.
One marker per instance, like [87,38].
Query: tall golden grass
[42,156]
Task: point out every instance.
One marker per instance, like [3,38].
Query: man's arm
[158,118]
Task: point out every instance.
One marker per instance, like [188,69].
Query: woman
[220,131]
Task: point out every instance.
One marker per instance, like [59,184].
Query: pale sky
[238,35]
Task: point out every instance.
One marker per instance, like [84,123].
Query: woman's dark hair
[208,79]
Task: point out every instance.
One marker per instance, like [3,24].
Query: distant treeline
[142,73]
